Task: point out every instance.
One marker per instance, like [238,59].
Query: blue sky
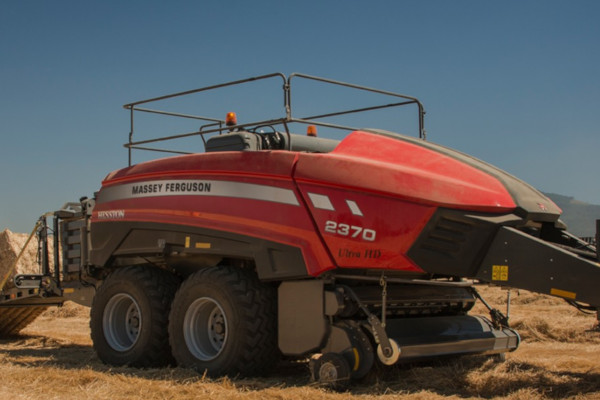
[515,83]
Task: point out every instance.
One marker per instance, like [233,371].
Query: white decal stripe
[321,201]
[354,208]
[192,187]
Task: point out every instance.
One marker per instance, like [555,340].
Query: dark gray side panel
[191,246]
[518,260]
[452,243]
[302,325]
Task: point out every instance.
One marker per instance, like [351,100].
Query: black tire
[223,322]
[362,361]
[129,317]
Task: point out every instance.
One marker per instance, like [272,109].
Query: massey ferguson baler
[271,243]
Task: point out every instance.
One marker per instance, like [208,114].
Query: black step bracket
[46,285]
[499,320]
[28,281]
[18,297]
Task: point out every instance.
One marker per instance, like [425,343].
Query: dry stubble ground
[559,358]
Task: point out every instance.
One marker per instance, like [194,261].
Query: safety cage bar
[213,125]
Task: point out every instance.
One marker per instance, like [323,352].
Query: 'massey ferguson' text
[171,187]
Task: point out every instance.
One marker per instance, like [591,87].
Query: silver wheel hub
[205,328]
[122,322]
[328,372]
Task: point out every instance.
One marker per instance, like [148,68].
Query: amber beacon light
[231,119]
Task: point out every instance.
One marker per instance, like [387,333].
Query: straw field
[559,358]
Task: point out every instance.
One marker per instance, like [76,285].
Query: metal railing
[215,125]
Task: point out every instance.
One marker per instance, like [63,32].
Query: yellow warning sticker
[563,293]
[500,272]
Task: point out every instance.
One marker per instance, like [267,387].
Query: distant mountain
[580,217]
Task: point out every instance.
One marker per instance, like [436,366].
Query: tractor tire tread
[160,287]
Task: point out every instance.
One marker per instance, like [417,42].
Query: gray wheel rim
[205,328]
[328,373]
[122,322]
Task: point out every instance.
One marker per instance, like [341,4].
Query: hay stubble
[559,358]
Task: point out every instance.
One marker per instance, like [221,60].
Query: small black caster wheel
[331,370]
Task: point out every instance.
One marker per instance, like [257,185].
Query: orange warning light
[231,119]
[311,130]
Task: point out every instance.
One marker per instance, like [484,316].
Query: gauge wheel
[331,370]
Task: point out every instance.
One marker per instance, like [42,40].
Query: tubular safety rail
[213,125]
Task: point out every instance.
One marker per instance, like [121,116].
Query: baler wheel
[363,355]
[392,358]
[129,317]
[223,321]
[331,370]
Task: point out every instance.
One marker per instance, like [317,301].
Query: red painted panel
[376,163]
[245,211]
[368,200]
[366,230]
[272,164]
